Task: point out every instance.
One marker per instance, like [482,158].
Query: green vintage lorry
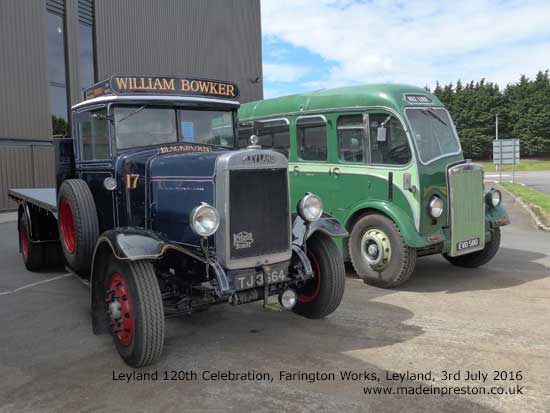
[387,162]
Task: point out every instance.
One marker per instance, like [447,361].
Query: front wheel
[322,295]
[478,258]
[378,252]
[134,307]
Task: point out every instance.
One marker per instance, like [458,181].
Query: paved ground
[492,318]
[539,180]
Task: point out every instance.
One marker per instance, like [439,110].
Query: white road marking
[35,284]
[495,175]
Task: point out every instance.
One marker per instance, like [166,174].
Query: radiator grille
[259,212]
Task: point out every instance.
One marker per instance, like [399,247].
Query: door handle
[296,169]
[335,172]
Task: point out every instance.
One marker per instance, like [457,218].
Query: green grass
[531,196]
[524,165]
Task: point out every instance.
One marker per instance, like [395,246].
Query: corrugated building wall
[218,39]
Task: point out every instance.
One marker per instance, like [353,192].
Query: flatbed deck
[43,197]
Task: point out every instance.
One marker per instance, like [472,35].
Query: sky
[314,44]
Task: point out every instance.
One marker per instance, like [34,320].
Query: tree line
[523,109]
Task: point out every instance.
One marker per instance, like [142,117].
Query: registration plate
[274,275]
[464,245]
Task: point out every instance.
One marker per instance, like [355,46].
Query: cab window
[351,138]
[93,135]
[272,134]
[312,138]
[143,126]
[388,140]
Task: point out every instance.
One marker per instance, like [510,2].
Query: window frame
[297,126]
[414,140]
[366,142]
[77,137]
[385,111]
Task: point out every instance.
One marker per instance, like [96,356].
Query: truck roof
[160,88]
[394,96]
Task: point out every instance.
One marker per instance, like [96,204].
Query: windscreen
[137,126]
[433,133]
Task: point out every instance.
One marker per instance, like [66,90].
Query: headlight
[310,207]
[496,197]
[436,206]
[204,220]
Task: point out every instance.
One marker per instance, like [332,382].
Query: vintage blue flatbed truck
[157,209]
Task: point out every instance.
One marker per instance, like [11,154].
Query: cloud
[280,72]
[417,41]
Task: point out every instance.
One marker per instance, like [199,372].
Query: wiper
[434,115]
[132,113]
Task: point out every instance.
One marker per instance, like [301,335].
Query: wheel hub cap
[376,249]
[120,310]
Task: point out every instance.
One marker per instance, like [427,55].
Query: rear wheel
[478,258]
[78,224]
[134,306]
[378,252]
[32,252]
[322,295]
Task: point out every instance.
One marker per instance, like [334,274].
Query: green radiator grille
[467,208]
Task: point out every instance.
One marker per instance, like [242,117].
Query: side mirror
[381,134]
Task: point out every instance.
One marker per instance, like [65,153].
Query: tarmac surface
[539,180]
[493,318]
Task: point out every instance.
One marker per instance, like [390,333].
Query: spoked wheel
[134,306]
[322,295]
[378,252]
[32,253]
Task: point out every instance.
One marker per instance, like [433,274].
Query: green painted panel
[467,209]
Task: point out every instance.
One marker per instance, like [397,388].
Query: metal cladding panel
[467,208]
[23,70]
[217,39]
[24,166]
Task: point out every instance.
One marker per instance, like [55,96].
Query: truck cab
[160,211]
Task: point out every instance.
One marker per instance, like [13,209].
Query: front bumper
[441,241]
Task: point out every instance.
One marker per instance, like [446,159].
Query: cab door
[310,169]
[93,159]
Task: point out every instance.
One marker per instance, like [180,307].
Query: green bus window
[272,134]
[312,138]
[93,135]
[246,130]
[351,138]
[394,149]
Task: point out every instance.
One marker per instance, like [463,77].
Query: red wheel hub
[66,220]
[24,241]
[311,291]
[121,313]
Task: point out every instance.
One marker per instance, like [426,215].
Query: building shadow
[509,268]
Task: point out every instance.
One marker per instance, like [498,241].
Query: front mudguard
[302,230]
[495,217]
[124,244]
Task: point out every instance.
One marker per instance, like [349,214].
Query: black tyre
[135,310]
[78,224]
[478,258]
[32,252]
[378,252]
[322,295]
